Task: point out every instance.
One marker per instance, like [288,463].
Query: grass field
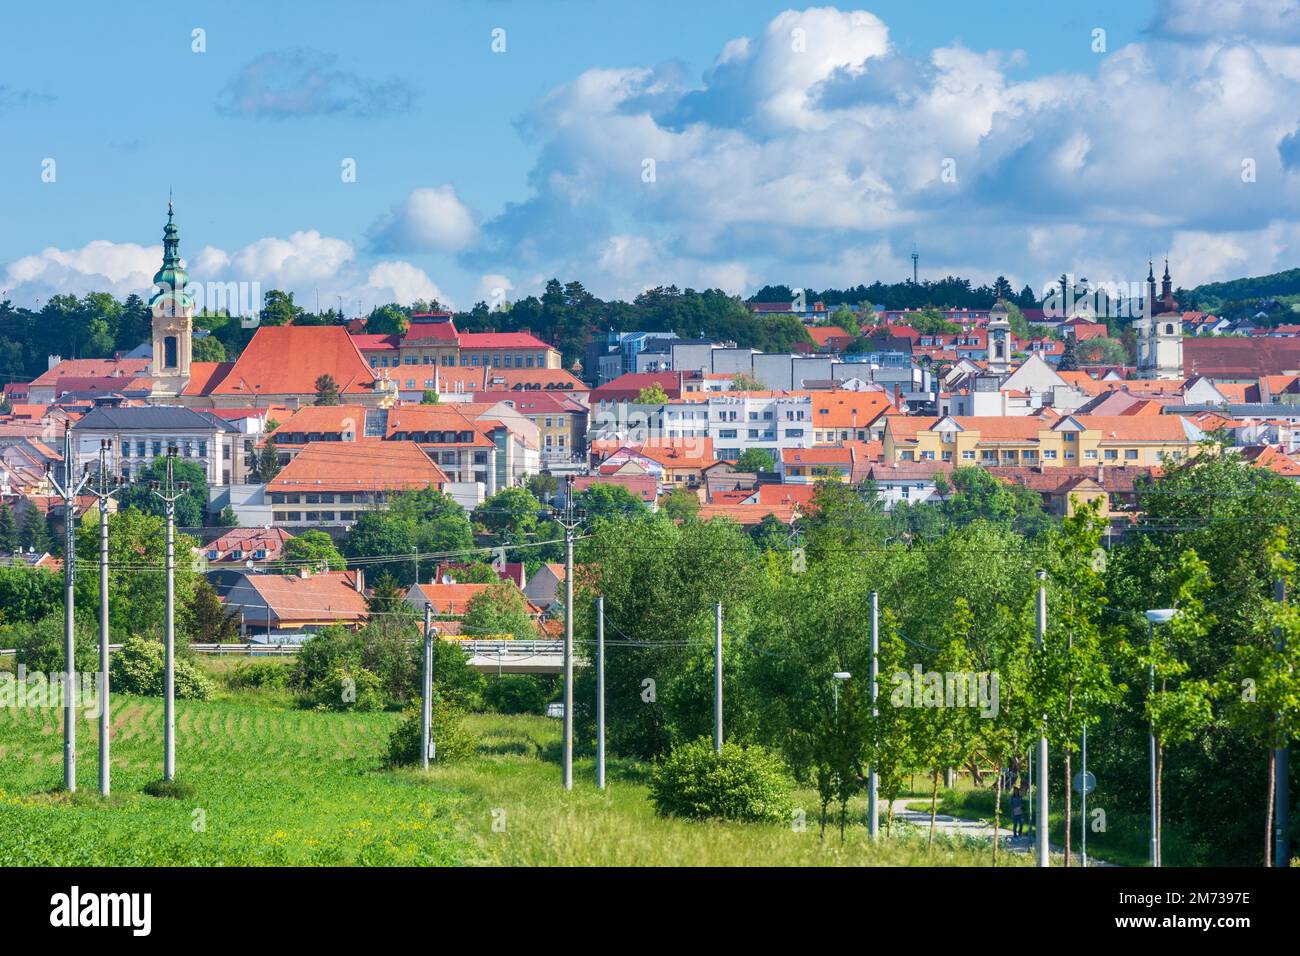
[265,783]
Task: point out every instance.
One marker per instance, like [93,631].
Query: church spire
[1167,283]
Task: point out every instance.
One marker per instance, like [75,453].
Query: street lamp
[839,676]
[1154,617]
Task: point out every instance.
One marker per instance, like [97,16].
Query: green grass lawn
[265,783]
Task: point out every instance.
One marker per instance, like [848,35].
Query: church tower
[1160,332]
[999,330]
[173,319]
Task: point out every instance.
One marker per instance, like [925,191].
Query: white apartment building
[739,421]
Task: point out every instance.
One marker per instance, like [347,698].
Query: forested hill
[1257,287]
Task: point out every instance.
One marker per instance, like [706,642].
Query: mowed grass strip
[279,794]
[268,784]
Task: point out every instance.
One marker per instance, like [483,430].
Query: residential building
[1040,440]
[331,484]
[139,434]
[290,608]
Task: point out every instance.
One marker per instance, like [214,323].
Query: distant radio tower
[915,257]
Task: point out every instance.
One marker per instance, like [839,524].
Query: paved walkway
[974,829]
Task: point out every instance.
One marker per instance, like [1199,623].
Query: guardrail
[481,648]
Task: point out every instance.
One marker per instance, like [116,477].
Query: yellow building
[1070,440]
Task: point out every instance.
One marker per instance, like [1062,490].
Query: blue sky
[800,145]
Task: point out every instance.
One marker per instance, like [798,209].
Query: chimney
[1101,472]
[361,581]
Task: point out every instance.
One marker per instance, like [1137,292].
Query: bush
[740,783]
[269,675]
[520,693]
[39,646]
[392,652]
[347,687]
[453,741]
[139,668]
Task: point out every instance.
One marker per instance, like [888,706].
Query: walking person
[1017,813]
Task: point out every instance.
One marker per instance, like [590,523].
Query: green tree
[228,518]
[191,506]
[10,540]
[268,462]
[605,500]
[278,308]
[1262,685]
[137,592]
[390,319]
[327,390]
[652,395]
[681,504]
[208,349]
[747,382]
[755,460]
[499,609]
[430,397]
[313,548]
[511,514]
[35,534]
[1074,678]
[213,624]
[1177,707]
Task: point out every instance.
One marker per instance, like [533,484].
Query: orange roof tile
[364,465]
[287,360]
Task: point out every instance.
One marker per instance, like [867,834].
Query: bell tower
[173,319]
[999,333]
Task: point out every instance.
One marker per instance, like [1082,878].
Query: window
[1111,454]
[1130,454]
[727,433]
[927,456]
[968,456]
[1050,454]
[794,433]
[1090,454]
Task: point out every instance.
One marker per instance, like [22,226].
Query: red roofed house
[331,484]
[288,608]
[810,465]
[246,544]
[281,366]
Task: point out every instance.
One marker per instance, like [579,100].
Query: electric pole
[426,699]
[569,524]
[873,817]
[1040,834]
[600,691]
[68,492]
[170,493]
[717,677]
[107,486]
[1281,768]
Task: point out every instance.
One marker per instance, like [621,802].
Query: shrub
[139,668]
[270,675]
[740,783]
[39,646]
[390,651]
[347,687]
[453,741]
[520,693]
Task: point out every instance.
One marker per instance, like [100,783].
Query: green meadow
[263,782]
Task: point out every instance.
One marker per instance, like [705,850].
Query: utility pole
[107,487]
[717,677]
[600,691]
[1281,768]
[873,815]
[569,524]
[68,492]
[1083,801]
[426,699]
[1043,827]
[170,493]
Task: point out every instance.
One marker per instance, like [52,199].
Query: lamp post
[1154,617]
[838,676]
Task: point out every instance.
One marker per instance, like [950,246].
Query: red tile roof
[287,360]
[365,465]
[501,340]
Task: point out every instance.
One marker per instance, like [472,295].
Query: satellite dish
[249,564]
